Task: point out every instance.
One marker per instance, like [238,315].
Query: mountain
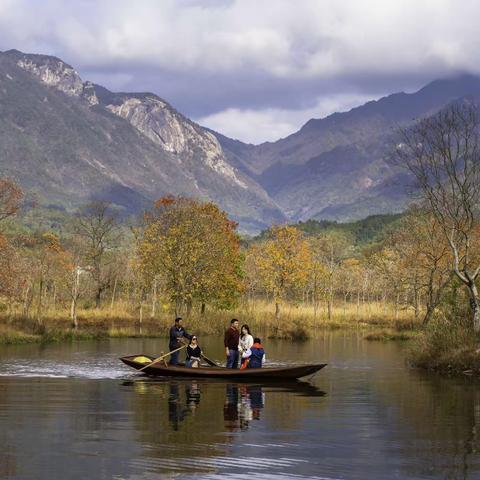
[72,141]
[337,168]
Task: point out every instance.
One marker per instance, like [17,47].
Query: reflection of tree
[442,416]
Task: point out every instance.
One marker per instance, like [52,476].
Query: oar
[210,362]
[161,358]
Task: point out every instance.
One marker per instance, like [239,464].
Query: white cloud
[209,45]
[256,126]
[284,38]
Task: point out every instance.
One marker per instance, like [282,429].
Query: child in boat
[194,353]
[257,358]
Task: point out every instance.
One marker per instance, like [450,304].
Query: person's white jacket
[244,345]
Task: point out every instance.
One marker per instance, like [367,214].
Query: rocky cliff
[190,160]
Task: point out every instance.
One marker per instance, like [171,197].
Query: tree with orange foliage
[195,249]
[11,197]
[283,262]
[10,272]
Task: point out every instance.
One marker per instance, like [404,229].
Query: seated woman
[257,358]
[194,353]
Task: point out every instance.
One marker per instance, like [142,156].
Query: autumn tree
[97,225]
[194,248]
[329,250]
[11,197]
[283,262]
[443,154]
[11,273]
[425,256]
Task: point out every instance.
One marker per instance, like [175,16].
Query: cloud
[212,57]
[256,126]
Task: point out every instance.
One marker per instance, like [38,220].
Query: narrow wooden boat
[161,369]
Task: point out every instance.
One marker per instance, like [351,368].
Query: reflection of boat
[267,373]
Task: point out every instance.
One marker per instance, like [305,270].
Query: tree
[443,154]
[97,226]
[11,274]
[195,249]
[425,256]
[283,262]
[329,250]
[11,197]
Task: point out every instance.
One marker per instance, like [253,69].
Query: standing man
[232,337]
[177,332]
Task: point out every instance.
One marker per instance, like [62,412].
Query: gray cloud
[230,64]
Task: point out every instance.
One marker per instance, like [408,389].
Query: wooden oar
[161,358]
[210,362]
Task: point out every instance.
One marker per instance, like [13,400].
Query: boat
[162,369]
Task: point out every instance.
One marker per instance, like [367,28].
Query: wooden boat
[161,369]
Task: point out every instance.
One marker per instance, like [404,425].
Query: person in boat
[245,343]
[194,353]
[257,358]
[177,334]
[231,341]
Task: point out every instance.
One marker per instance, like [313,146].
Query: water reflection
[243,402]
[179,407]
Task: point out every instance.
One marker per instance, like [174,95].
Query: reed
[297,322]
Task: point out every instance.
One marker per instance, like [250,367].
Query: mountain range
[70,141]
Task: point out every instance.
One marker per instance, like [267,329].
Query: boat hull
[268,373]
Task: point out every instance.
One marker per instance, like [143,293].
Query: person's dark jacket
[256,358]
[176,333]
[193,352]
[232,337]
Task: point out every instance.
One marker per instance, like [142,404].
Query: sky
[255,70]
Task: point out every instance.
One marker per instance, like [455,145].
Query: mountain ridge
[73,141]
[190,161]
[309,175]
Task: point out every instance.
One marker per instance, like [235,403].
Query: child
[257,358]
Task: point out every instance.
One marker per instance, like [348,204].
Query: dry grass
[297,322]
[389,335]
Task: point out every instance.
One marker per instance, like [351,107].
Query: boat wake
[107,369]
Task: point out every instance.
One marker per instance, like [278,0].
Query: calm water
[75,412]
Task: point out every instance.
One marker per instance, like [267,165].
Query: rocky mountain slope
[337,167]
[73,141]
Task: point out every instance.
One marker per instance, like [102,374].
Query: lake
[73,411]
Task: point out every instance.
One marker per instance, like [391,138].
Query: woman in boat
[245,343]
[257,358]
[194,353]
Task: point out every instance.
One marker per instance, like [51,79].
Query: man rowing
[177,333]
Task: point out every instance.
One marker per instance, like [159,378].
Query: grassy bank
[447,346]
[297,322]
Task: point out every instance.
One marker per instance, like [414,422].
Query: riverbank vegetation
[95,274]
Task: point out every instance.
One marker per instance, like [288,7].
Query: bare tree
[442,152]
[98,227]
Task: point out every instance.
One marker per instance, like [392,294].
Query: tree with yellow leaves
[195,249]
[283,262]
